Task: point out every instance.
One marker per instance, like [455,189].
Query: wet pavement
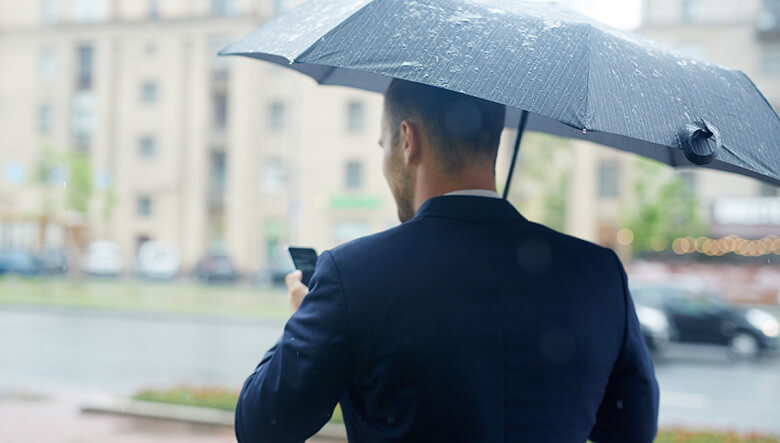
[86,352]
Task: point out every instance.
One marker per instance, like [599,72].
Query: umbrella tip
[700,142]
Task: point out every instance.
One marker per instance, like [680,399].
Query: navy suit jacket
[466,324]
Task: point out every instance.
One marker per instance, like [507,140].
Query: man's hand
[295,289]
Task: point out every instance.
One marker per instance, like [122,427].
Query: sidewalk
[52,418]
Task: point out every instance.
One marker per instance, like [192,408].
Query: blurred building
[184,147]
[233,154]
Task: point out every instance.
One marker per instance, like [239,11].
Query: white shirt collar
[475,193]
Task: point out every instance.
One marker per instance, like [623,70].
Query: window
[47,64]
[693,10]
[223,7]
[85,60]
[767,190]
[768,19]
[144,206]
[50,11]
[770,60]
[273,175]
[276,116]
[89,11]
[83,123]
[608,179]
[45,119]
[102,180]
[154,9]
[354,175]
[218,180]
[274,230]
[147,147]
[355,116]
[218,171]
[149,92]
[220,111]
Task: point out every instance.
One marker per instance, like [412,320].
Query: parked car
[157,261]
[54,261]
[19,263]
[103,259]
[705,318]
[657,330]
[216,268]
[274,273]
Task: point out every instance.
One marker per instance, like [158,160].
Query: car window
[687,305]
[647,296]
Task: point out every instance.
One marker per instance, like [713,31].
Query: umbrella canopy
[570,75]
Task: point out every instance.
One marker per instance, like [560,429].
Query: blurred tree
[664,208]
[43,178]
[541,180]
[79,181]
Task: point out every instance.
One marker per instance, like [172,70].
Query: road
[118,353]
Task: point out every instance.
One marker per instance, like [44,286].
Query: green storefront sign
[354,202]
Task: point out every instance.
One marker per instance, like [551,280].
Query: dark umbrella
[557,72]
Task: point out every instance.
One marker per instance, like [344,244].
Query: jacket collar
[469,208]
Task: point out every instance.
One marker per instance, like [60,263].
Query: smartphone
[305,260]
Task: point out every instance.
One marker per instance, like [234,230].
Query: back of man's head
[460,128]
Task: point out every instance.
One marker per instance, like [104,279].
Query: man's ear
[411,139]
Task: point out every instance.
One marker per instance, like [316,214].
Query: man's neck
[427,189]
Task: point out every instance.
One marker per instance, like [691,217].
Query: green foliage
[210,397]
[226,400]
[337,417]
[47,163]
[215,398]
[543,165]
[79,182]
[679,435]
[666,208]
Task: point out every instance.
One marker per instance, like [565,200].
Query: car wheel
[744,346]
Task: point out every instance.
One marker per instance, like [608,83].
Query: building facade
[118,122]
[184,147]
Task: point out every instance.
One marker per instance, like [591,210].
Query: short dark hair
[459,126]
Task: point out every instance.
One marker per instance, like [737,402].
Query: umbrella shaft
[520,130]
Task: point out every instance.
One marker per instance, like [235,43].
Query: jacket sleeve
[629,409]
[296,386]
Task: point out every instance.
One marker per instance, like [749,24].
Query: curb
[185,414]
